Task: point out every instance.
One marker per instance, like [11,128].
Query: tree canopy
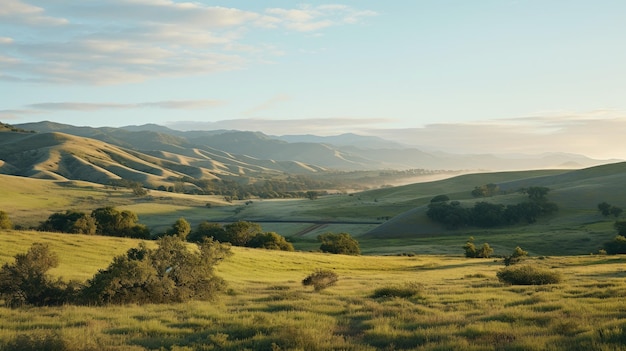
[341,243]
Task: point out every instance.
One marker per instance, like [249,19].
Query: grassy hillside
[458,305]
[389,220]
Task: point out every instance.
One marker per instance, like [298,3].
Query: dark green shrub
[26,282]
[440,198]
[270,241]
[528,275]
[341,243]
[616,246]
[472,252]
[321,279]
[112,222]
[206,230]
[170,273]
[517,256]
[406,290]
[69,222]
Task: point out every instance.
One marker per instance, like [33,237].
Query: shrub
[5,222]
[206,230]
[26,280]
[69,222]
[321,279]
[528,275]
[181,228]
[472,252]
[270,241]
[341,243]
[440,198]
[517,256]
[616,246]
[170,273]
[406,290]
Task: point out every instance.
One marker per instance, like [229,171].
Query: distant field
[388,220]
[459,305]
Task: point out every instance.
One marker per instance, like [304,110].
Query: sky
[484,76]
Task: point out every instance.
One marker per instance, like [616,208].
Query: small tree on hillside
[341,243]
[517,256]
[472,252]
[207,229]
[26,280]
[112,222]
[169,273]
[607,209]
[270,241]
[5,222]
[181,228]
[470,248]
[241,232]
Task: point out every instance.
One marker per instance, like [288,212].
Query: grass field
[459,305]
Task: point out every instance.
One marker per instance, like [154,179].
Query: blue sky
[467,76]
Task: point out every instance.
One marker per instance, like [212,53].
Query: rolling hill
[63,156]
[577,193]
[347,152]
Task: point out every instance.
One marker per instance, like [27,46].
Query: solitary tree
[112,222]
[270,241]
[341,243]
[207,230]
[181,228]
[26,280]
[241,232]
[537,192]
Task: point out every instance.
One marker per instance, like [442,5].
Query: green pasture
[459,305]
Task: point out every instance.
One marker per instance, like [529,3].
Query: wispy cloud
[16,114]
[82,106]
[19,12]
[268,105]
[118,41]
[309,18]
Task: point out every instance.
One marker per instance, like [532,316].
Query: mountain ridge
[344,152]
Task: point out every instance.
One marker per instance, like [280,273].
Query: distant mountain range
[344,152]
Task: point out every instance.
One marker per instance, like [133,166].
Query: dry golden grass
[460,305]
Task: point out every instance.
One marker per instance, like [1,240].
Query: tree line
[109,221]
[485,214]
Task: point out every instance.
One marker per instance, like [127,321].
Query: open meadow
[454,303]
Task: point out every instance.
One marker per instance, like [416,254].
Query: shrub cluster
[240,233]
[169,273]
[517,256]
[607,209]
[102,221]
[528,275]
[472,252]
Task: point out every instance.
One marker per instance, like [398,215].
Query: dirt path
[310,229]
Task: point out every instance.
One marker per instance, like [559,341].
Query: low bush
[528,275]
[321,279]
[406,290]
